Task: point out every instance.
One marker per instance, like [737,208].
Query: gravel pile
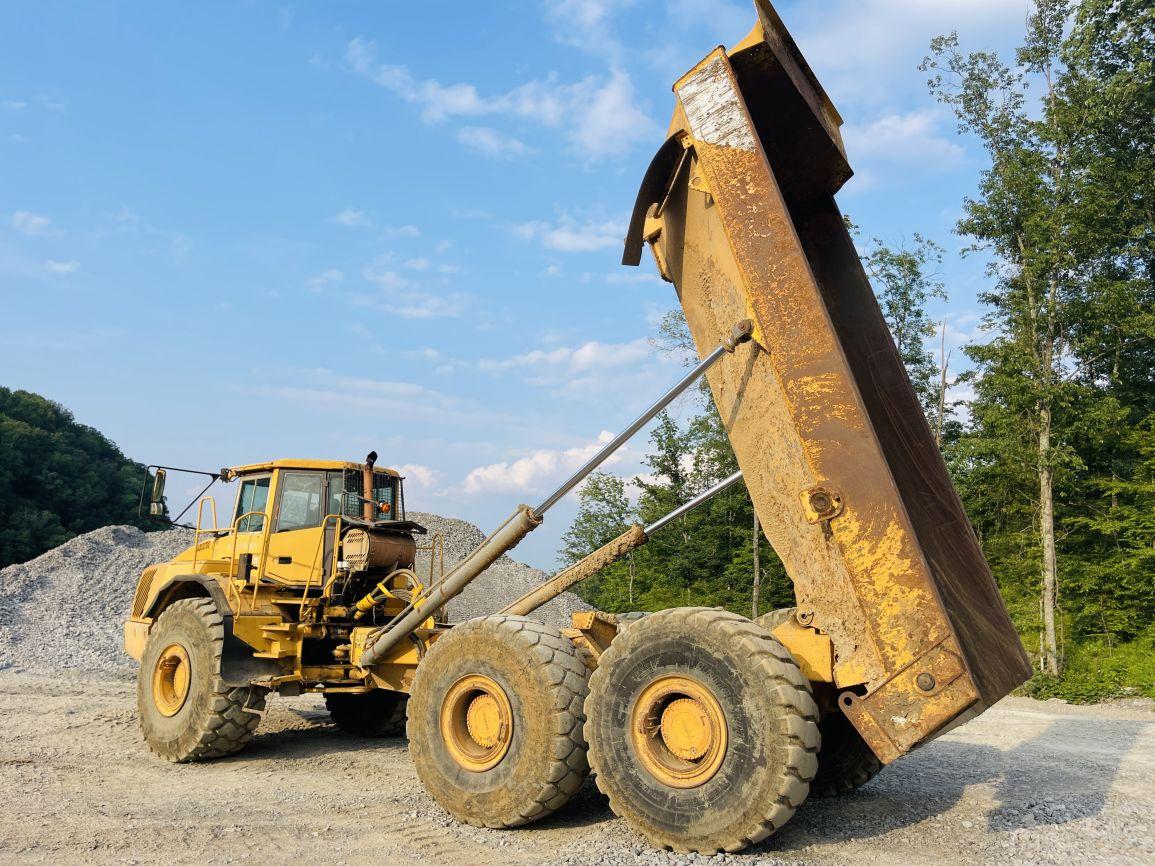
[504,582]
[66,608]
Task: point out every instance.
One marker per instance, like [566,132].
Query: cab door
[250,517]
[295,548]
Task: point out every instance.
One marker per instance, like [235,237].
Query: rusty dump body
[841,465]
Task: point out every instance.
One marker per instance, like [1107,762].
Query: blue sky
[237,231]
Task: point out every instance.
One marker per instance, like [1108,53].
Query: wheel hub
[170,680]
[679,731]
[476,723]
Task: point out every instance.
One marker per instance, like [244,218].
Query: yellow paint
[476,723]
[171,676]
[678,731]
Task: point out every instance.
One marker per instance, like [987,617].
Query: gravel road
[1028,782]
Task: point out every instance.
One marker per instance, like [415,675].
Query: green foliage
[57,478]
[905,280]
[706,557]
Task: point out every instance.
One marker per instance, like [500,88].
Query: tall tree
[905,280]
[1022,217]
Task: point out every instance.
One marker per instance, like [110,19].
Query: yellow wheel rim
[679,732]
[476,723]
[170,679]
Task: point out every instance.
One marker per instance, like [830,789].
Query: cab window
[254,496]
[300,506]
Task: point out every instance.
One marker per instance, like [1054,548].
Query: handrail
[198,530]
[313,562]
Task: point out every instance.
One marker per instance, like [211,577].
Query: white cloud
[866,52]
[405,231]
[903,137]
[325,279]
[28,223]
[405,297]
[418,475]
[596,114]
[587,357]
[14,104]
[570,236]
[351,218]
[324,388]
[417,264]
[491,143]
[533,472]
[55,267]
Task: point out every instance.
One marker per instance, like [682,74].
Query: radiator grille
[142,590]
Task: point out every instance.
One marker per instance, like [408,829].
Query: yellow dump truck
[705,729]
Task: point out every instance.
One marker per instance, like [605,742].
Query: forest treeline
[1053,452]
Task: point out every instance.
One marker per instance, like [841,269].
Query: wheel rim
[679,732]
[477,723]
[170,680]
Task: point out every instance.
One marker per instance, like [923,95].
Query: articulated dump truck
[706,730]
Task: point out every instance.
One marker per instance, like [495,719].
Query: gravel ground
[1028,782]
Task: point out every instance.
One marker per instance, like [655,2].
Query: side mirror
[156,501]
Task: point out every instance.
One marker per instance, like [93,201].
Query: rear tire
[495,721]
[380,713]
[186,711]
[845,761]
[703,733]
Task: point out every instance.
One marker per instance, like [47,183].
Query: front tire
[495,721]
[703,732]
[186,711]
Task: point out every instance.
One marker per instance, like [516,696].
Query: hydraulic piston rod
[525,520]
[607,554]
[740,334]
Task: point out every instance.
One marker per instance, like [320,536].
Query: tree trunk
[757,569]
[944,359]
[1050,660]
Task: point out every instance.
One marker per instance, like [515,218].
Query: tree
[905,280]
[1021,217]
[58,478]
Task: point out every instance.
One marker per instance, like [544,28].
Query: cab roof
[326,465]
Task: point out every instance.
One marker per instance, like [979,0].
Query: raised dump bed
[843,469]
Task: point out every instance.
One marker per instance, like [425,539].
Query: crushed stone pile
[65,610]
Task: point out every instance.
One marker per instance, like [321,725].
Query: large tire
[775,618]
[845,761]
[379,713]
[740,774]
[186,711]
[529,680]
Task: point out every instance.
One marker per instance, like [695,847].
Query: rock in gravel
[66,608]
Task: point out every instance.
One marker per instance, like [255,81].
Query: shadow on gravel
[1064,773]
